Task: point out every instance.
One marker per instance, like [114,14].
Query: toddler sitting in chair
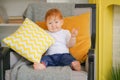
[58,54]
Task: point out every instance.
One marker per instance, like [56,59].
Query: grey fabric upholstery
[4,33]
[41,8]
[36,12]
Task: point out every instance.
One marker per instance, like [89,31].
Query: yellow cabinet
[104,36]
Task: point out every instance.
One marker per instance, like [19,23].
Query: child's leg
[68,59]
[45,61]
[75,65]
[39,66]
[42,65]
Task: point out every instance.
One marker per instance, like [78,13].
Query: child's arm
[72,40]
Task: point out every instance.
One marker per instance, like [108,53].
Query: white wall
[17,7]
[116,36]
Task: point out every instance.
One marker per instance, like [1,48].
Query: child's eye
[56,21]
[50,23]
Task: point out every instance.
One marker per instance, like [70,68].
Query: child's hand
[74,33]
[72,40]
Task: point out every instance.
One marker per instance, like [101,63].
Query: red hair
[53,12]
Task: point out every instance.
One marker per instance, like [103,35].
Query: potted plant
[114,73]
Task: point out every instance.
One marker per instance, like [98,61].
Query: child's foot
[39,66]
[76,65]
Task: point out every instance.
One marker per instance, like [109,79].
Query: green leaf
[114,73]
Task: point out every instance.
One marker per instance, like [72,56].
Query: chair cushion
[30,41]
[83,43]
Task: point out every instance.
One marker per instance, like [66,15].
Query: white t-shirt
[61,39]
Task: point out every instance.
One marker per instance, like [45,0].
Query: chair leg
[91,65]
[4,61]
[1,69]
[91,71]
[1,64]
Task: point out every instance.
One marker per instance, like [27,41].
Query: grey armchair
[68,10]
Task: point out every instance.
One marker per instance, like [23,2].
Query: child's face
[54,24]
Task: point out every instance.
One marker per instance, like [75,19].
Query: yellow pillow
[82,23]
[30,41]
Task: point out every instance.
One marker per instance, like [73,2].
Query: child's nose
[53,25]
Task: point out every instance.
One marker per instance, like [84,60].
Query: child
[58,54]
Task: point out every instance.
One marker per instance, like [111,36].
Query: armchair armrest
[4,51]
[4,61]
[91,64]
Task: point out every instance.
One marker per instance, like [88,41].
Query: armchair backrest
[36,11]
